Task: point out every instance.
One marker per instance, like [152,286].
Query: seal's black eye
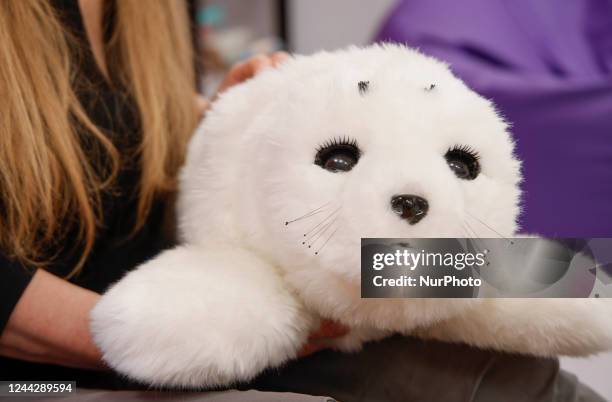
[338,155]
[463,161]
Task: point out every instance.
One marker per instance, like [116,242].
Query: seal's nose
[410,207]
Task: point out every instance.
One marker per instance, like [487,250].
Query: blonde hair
[48,183]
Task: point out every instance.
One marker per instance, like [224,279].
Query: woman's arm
[50,324]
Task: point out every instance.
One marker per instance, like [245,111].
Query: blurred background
[545,63]
[231,30]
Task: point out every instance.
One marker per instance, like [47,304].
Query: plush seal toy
[285,175]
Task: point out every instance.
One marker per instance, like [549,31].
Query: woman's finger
[329,329]
[251,67]
[245,70]
[309,349]
[278,58]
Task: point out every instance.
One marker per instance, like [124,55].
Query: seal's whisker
[468,228]
[489,227]
[330,216]
[309,214]
[466,231]
[272,142]
[326,241]
[474,233]
[315,236]
[319,230]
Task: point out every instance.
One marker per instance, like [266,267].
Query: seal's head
[380,142]
[302,162]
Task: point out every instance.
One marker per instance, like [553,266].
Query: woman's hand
[320,339]
[250,68]
[241,72]
[50,324]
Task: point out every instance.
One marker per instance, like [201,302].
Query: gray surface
[595,371]
[392,370]
[409,369]
[142,396]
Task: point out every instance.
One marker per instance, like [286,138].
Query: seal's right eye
[338,155]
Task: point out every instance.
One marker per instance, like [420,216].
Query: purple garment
[547,64]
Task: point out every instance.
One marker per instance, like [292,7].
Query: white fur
[243,292]
[190,325]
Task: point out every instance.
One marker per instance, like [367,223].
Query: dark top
[115,252]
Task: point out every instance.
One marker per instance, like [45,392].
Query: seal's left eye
[463,161]
[338,155]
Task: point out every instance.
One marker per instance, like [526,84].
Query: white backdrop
[330,24]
